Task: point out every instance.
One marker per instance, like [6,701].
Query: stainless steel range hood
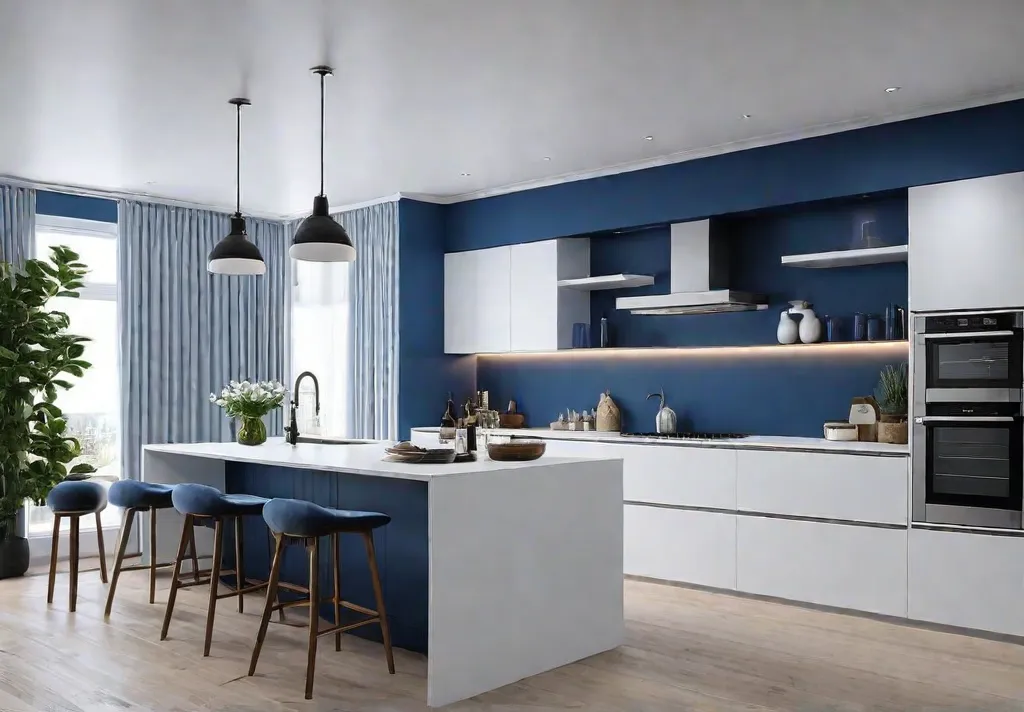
[699,278]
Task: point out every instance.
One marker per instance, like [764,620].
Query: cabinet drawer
[968,580]
[671,474]
[863,568]
[827,485]
[679,545]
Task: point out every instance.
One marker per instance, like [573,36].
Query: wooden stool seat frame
[73,554]
[312,592]
[211,576]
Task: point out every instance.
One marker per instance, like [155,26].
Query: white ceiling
[130,95]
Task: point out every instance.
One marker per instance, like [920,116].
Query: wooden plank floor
[685,650]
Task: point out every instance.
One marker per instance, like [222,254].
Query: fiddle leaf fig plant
[37,352]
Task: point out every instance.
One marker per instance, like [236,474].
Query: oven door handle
[926,419]
[967,334]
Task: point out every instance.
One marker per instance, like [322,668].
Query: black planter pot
[13,557]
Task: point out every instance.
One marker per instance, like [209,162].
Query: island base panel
[402,545]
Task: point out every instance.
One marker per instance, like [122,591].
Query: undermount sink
[319,440]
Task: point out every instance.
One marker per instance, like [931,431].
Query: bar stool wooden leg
[268,607]
[218,549]
[99,545]
[73,588]
[336,555]
[122,545]
[239,564]
[272,557]
[186,533]
[379,595]
[152,555]
[314,613]
[195,553]
[53,558]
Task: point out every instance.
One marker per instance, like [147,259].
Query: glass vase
[252,431]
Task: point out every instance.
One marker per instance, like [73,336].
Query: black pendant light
[235,254]
[319,238]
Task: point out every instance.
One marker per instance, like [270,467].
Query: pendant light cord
[322,134]
[238,159]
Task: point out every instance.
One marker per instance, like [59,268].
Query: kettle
[665,421]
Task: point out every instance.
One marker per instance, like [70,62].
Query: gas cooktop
[687,436]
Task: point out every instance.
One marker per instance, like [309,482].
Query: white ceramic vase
[787,332]
[810,327]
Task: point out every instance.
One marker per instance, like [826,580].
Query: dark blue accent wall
[782,393]
[76,206]
[965,144]
[785,393]
[757,242]
[425,373]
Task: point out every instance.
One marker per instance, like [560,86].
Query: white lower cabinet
[680,545]
[864,568]
[860,488]
[969,580]
[687,476]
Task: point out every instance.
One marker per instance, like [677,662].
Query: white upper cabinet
[507,298]
[476,301]
[542,312]
[967,244]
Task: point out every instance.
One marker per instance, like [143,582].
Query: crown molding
[393,198]
[733,146]
[90,192]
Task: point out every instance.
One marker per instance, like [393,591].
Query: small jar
[860,326]
[876,328]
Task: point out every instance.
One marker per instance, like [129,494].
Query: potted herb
[36,351]
[891,394]
[250,402]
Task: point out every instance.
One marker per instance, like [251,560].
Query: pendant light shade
[320,238]
[235,254]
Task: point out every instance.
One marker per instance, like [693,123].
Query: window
[320,333]
[92,406]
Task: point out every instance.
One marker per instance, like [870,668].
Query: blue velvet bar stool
[136,498]
[296,521]
[206,505]
[72,500]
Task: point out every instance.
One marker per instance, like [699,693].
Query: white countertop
[360,459]
[762,442]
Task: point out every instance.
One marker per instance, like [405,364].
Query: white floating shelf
[848,258]
[608,281]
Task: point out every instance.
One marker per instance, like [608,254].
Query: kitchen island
[495,570]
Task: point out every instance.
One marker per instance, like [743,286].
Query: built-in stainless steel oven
[976,356]
[968,414]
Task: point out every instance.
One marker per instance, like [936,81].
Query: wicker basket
[892,429]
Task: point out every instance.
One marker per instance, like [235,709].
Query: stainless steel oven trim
[965,334]
[964,419]
[973,516]
[963,395]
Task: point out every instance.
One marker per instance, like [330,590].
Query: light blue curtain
[184,332]
[373,319]
[17,223]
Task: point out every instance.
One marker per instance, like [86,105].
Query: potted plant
[36,350]
[891,394]
[250,402]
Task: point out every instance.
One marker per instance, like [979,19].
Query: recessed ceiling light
[747,116]
[465,175]
[892,90]
[648,138]
[547,158]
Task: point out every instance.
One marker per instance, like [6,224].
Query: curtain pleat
[373,304]
[17,223]
[184,332]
